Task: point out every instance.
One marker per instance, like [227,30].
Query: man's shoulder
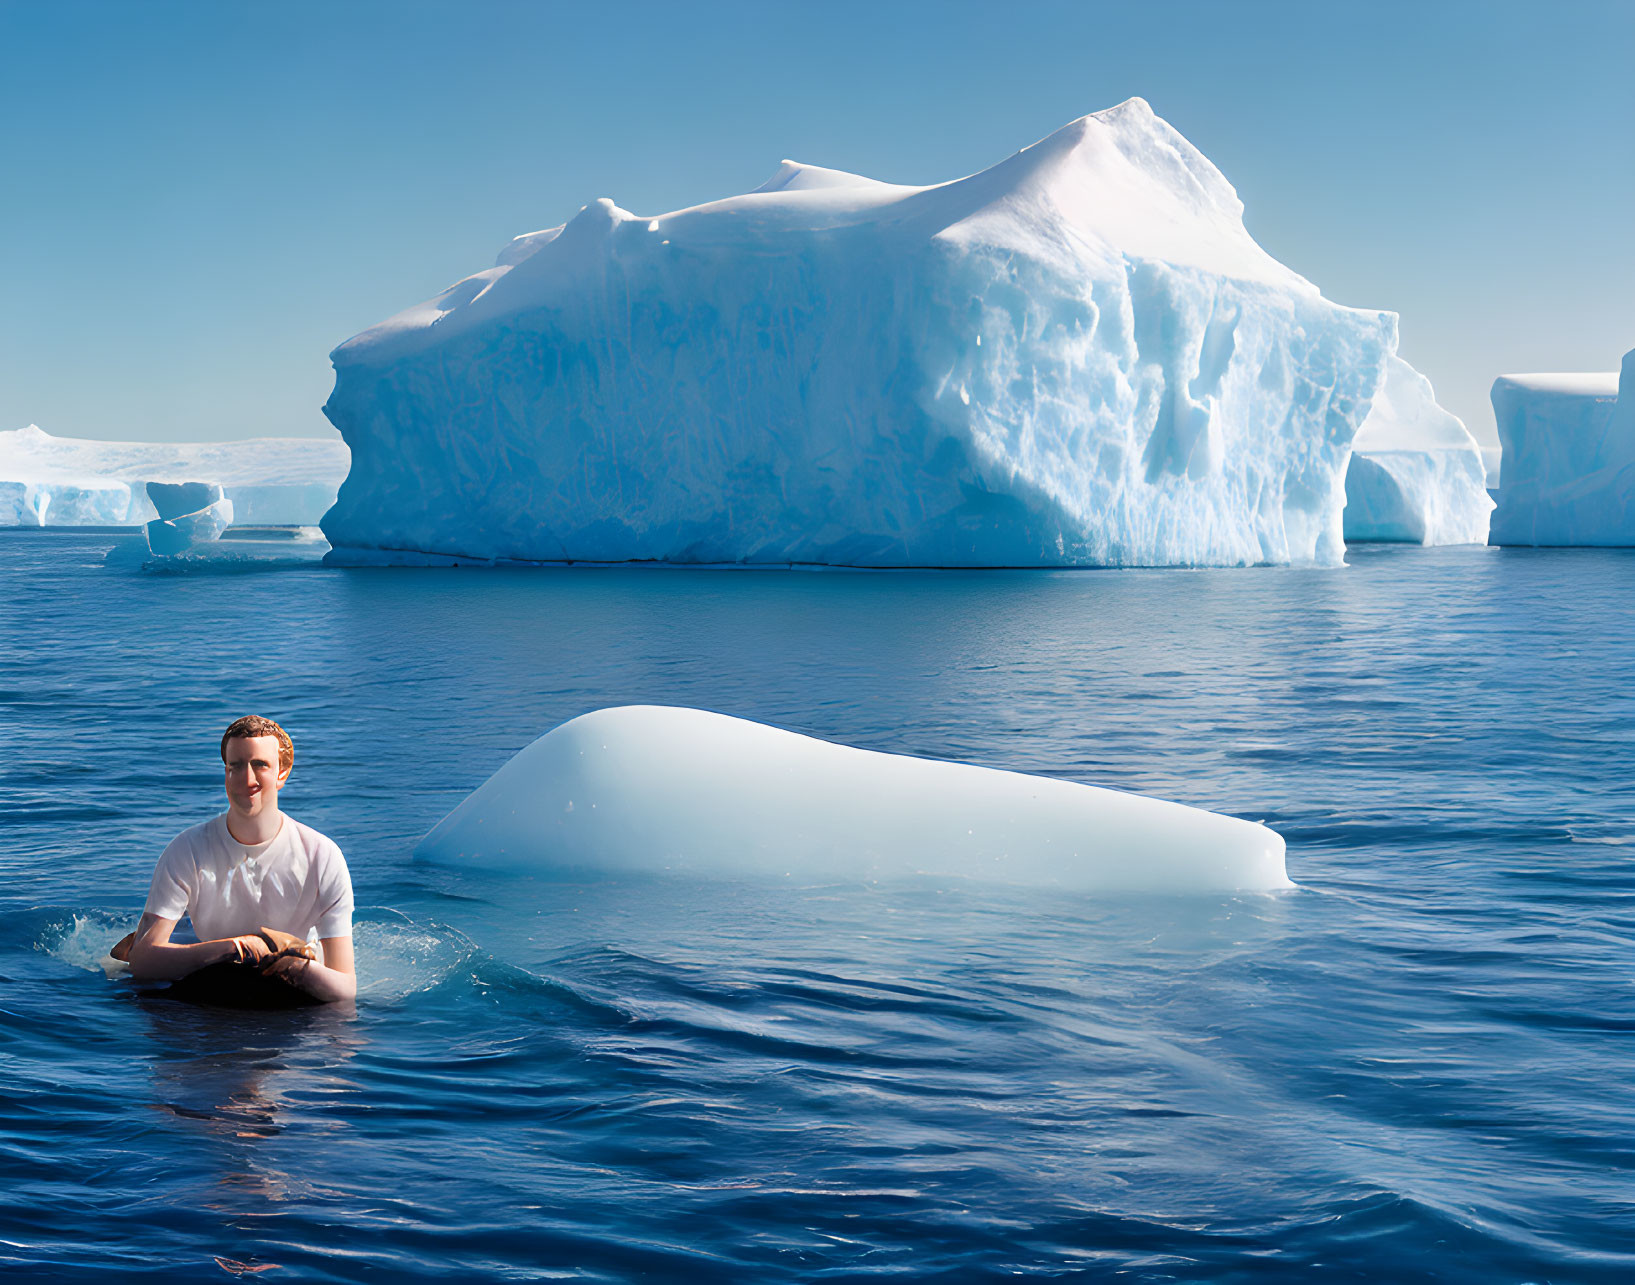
[313,841]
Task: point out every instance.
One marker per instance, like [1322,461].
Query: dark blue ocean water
[1416,1066]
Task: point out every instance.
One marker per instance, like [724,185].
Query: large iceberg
[1416,473]
[72,481]
[649,788]
[1569,458]
[1077,357]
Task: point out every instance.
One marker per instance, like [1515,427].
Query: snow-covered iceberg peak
[1076,357]
[644,787]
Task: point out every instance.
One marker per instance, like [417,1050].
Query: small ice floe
[237,549]
[191,514]
[194,530]
[645,787]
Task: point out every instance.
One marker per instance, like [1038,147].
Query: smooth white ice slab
[1077,357]
[240,548]
[1568,476]
[1416,473]
[72,481]
[644,787]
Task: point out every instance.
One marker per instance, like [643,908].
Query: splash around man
[247,878]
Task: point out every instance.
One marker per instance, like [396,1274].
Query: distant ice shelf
[661,788]
[1078,357]
[1568,474]
[71,481]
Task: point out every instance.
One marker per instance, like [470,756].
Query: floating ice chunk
[171,537]
[239,548]
[1416,473]
[1076,357]
[646,787]
[1569,458]
[176,499]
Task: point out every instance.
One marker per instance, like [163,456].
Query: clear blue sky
[203,197]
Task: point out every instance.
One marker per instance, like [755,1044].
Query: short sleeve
[335,896]
[174,878]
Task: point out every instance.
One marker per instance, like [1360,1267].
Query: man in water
[249,869]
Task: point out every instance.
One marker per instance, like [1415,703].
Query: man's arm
[334,979]
[155,958]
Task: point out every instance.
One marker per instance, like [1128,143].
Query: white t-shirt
[296,882]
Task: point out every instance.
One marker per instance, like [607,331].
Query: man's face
[253,778]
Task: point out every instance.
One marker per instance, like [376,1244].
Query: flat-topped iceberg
[651,788]
[1416,473]
[1077,357]
[73,481]
[1569,458]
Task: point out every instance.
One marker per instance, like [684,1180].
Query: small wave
[1599,835]
[82,939]
[396,957]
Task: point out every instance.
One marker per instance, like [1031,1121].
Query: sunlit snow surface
[73,481]
[1569,458]
[657,788]
[1076,357]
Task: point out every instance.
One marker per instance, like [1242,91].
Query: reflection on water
[233,1077]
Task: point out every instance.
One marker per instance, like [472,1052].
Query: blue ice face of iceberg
[1078,357]
[660,788]
[1568,475]
[83,502]
[171,537]
[175,499]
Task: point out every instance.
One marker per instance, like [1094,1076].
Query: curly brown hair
[255,725]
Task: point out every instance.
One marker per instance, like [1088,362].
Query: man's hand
[252,949]
[294,969]
[327,984]
[283,943]
[154,957]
